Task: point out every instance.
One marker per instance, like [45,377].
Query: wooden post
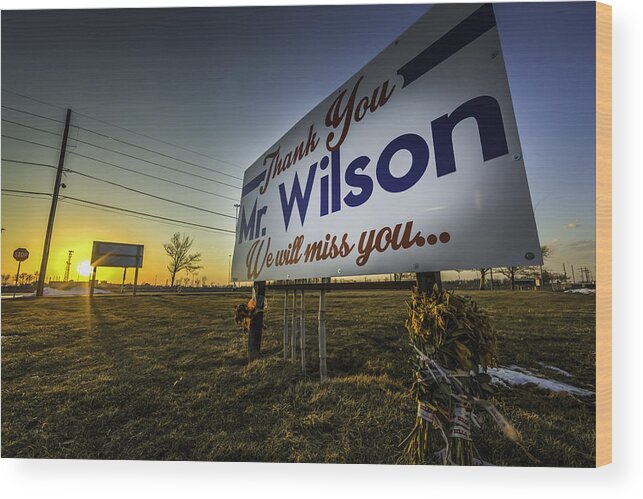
[17,274]
[286,345]
[123,283]
[323,373]
[302,333]
[426,281]
[293,332]
[491,277]
[92,282]
[256,322]
[138,263]
[52,211]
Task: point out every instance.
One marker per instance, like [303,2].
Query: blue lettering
[296,196]
[419,150]
[486,111]
[362,182]
[246,228]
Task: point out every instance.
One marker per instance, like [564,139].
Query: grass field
[165,377]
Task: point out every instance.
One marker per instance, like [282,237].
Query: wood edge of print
[603,234]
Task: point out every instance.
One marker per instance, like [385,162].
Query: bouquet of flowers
[454,345]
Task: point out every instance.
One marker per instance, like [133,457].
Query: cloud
[587,244]
[572,225]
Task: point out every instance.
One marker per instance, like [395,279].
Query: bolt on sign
[106,254]
[20,254]
[413,165]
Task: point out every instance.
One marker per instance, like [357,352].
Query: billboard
[108,254]
[414,164]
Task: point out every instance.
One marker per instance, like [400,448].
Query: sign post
[20,255]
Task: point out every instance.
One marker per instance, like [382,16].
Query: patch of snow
[77,291]
[582,291]
[517,376]
[556,370]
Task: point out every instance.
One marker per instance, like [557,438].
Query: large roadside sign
[413,165]
[109,254]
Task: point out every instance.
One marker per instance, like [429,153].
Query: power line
[109,210]
[124,129]
[155,163]
[122,154]
[124,168]
[109,137]
[18,191]
[68,170]
[124,210]
[120,167]
[28,141]
[31,127]
[25,196]
[149,194]
[30,163]
[32,114]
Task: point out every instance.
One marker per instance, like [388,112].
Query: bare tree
[204,281]
[483,278]
[5,279]
[510,273]
[178,249]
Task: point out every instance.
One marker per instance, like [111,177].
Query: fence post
[302,333]
[293,332]
[286,325]
[323,372]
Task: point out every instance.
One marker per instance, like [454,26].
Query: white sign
[413,165]
[105,254]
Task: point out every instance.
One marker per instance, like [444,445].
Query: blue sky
[228,82]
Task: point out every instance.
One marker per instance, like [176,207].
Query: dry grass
[165,377]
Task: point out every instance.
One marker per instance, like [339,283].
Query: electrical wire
[126,210]
[108,210]
[149,194]
[116,184]
[122,128]
[31,163]
[125,168]
[121,153]
[118,208]
[120,167]
[29,141]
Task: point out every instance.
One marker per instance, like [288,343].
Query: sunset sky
[207,91]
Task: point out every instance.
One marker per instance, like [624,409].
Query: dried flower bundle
[454,345]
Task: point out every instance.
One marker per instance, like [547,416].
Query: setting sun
[84,268]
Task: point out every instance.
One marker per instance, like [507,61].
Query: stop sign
[21,254]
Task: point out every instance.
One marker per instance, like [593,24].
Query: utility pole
[68,265]
[236,213]
[52,210]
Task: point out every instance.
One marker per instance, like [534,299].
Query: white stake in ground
[302,335]
[286,325]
